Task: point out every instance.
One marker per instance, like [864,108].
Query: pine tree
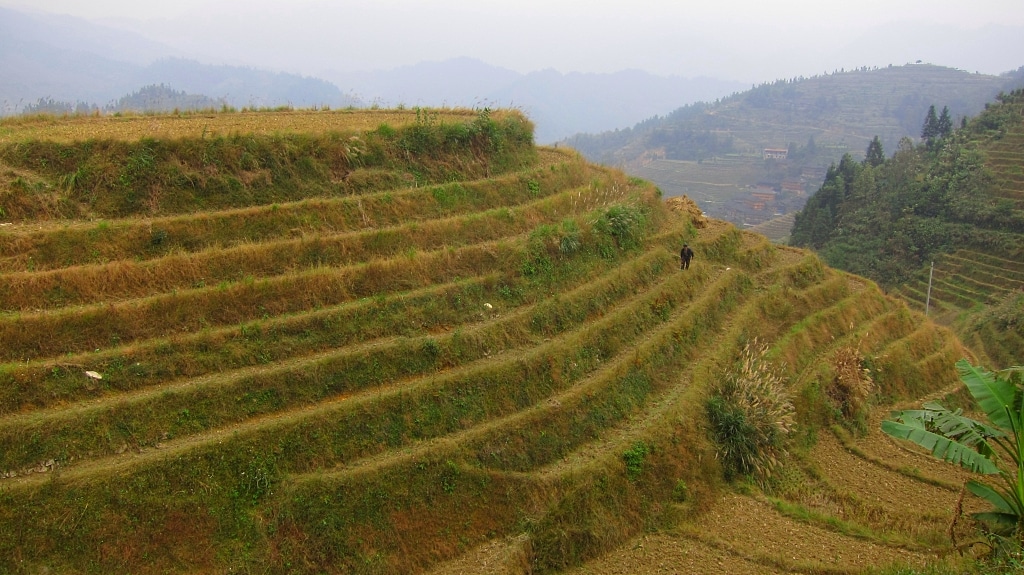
[930,129]
[875,156]
[945,123]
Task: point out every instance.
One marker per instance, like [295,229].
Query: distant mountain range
[845,110]
[561,105]
[65,59]
[72,60]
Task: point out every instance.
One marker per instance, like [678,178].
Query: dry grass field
[132,127]
[442,351]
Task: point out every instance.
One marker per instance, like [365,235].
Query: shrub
[750,415]
[627,224]
[680,492]
[852,384]
[634,459]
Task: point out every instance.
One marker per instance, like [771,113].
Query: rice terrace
[412,341]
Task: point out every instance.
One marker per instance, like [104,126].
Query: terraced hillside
[776,229]
[421,346]
[723,187]
[979,288]
[845,109]
[979,292]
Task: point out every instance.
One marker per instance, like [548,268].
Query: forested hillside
[149,99]
[843,108]
[956,198]
[758,154]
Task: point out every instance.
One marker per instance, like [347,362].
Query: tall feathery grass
[751,415]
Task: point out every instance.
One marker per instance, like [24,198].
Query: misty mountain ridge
[899,42]
[67,33]
[560,104]
[71,60]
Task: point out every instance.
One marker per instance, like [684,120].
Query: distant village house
[813,174]
[795,187]
[760,199]
[775,153]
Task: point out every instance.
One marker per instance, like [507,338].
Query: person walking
[685,255]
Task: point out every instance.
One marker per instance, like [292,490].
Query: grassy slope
[467,346]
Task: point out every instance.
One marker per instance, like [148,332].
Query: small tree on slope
[996,448]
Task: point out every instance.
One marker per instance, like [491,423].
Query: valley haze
[739,40]
[644,60]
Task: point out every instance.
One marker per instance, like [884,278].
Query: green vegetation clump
[751,415]
[626,224]
[634,459]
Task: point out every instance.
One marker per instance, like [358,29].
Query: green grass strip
[81,243]
[195,406]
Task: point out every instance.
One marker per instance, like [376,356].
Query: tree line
[152,98]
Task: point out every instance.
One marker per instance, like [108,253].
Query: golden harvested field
[204,124]
[262,356]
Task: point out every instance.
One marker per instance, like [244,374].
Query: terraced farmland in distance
[776,229]
[977,292]
[980,289]
[715,185]
[437,349]
[713,152]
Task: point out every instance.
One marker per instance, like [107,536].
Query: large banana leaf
[1000,501]
[994,395]
[954,425]
[971,444]
[940,446]
[1006,513]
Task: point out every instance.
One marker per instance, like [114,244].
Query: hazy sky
[748,40]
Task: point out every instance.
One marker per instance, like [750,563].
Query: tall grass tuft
[751,415]
[852,384]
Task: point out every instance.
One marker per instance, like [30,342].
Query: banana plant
[994,448]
